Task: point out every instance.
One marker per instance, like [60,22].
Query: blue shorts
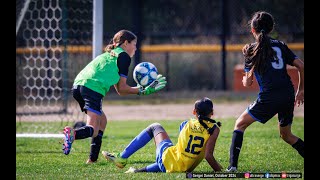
[163,145]
[88,99]
[268,105]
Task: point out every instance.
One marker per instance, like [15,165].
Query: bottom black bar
[246,175]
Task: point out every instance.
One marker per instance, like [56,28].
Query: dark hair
[119,38]
[203,108]
[259,53]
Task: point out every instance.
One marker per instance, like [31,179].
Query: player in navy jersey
[267,59]
[94,81]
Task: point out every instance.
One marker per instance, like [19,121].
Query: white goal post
[21,15]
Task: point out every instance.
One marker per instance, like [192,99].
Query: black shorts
[88,99]
[267,106]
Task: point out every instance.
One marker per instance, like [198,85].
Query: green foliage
[262,151]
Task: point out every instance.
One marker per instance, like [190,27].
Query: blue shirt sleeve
[288,54]
[182,125]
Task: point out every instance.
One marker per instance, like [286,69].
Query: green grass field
[42,158]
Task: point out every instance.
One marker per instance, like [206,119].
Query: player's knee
[95,133]
[154,129]
[240,126]
[286,136]
[155,125]
[242,123]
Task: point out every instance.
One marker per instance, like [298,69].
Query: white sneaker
[130,170]
[231,169]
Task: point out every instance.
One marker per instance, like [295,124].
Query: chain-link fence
[54,40]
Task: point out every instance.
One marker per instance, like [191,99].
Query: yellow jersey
[190,148]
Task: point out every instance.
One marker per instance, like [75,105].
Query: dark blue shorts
[88,99]
[267,106]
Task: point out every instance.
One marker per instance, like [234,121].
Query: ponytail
[261,52]
[110,46]
[210,130]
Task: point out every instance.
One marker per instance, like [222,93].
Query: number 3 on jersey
[280,63]
[195,143]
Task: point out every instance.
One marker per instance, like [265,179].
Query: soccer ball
[145,73]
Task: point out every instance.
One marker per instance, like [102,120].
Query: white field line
[40,135]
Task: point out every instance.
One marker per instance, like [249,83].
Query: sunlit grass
[42,158]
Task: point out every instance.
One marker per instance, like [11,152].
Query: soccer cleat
[89,161]
[115,158]
[68,139]
[231,169]
[131,170]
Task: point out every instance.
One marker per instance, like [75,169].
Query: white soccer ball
[145,73]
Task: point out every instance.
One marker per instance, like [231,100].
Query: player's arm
[122,88]
[295,61]
[209,151]
[247,79]
[300,91]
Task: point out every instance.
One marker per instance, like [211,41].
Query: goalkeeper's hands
[155,86]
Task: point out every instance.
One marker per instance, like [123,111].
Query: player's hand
[299,98]
[155,86]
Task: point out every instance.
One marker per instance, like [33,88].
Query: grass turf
[42,158]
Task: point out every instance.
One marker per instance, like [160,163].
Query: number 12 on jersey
[194,143]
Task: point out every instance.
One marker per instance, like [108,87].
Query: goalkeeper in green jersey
[94,81]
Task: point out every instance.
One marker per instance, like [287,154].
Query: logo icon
[189,175]
[283,175]
[247,175]
[267,175]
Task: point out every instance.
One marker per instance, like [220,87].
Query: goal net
[50,36]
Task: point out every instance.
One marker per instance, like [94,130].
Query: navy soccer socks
[299,146]
[235,147]
[83,132]
[95,146]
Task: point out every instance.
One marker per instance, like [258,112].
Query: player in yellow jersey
[197,139]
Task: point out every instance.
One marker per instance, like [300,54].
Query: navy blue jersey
[275,78]
[276,94]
